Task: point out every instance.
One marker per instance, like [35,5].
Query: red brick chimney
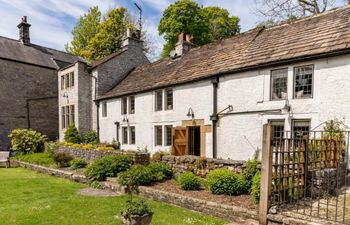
[184,44]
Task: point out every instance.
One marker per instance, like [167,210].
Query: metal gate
[309,174]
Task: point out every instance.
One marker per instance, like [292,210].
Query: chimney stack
[184,44]
[132,39]
[24,31]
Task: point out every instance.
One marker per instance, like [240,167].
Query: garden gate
[306,173]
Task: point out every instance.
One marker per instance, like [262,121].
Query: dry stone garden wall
[92,154]
[202,166]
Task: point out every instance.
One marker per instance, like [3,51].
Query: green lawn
[27,197]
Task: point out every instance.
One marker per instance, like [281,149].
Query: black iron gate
[309,174]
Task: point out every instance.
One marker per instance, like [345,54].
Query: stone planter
[138,220]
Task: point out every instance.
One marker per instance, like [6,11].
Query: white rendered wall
[239,136]
[198,96]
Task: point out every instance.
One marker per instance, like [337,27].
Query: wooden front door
[180,141]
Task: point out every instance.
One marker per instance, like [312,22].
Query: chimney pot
[184,44]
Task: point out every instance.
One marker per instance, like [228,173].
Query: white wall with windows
[316,91]
[147,118]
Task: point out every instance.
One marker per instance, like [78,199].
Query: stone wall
[92,154]
[27,90]
[202,166]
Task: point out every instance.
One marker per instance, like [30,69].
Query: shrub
[249,172]
[108,166]
[255,190]
[72,135]
[43,158]
[188,181]
[160,171]
[224,181]
[77,163]
[51,148]
[137,175]
[90,137]
[136,208]
[105,148]
[62,159]
[88,146]
[26,141]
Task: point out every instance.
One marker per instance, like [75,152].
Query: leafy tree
[204,24]
[95,37]
[220,23]
[110,35]
[87,27]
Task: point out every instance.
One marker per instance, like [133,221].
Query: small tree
[72,135]
[90,137]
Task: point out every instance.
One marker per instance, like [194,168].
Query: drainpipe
[98,119]
[214,116]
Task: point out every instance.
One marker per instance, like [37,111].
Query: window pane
[168,135]
[303,82]
[63,116]
[67,80]
[104,109]
[72,119]
[67,116]
[169,99]
[124,104]
[301,128]
[158,135]
[125,135]
[132,135]
[72,79]
[159,100]
[62,82]
[277,129]
[279,80]
[132,104]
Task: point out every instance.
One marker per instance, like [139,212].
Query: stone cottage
[28,85]
[213,100]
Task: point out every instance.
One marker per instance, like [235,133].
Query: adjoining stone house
[81,83]
[28,85]
[213,100]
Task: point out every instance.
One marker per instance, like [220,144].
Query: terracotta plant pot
[138,220]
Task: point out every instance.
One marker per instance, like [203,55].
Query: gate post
[266,173]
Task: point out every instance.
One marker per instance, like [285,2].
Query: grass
[43,159]
[29,198]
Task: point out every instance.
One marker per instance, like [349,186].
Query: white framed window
[169,103]
[124,103]
[104,109]
[168,135]
[158,135]
[159,100]
[277,129]
[125,135]
[303,81]
[67,80]
[62,81]
[132,105]
[63,117]
[67,116]
[132,135]
[72,114]
[71,79]
[300,127]
[279,84]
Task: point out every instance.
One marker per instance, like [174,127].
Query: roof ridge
[32,44]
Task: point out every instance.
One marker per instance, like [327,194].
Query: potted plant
[135,212]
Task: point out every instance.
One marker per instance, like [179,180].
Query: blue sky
[52,20]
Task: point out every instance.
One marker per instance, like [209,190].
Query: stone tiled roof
[106,59]
[35,54]
[312,37]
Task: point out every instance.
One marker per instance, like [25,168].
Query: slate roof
[35,54]
[107,58]
[310,37]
